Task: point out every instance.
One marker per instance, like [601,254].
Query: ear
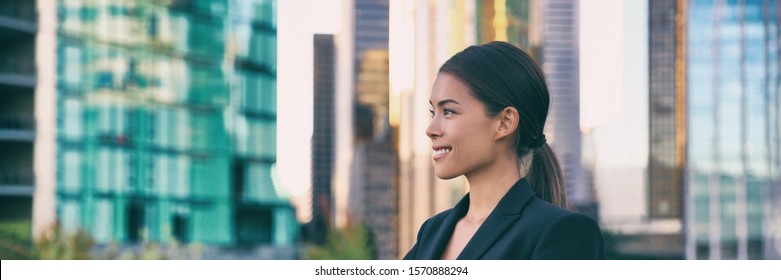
[508,120]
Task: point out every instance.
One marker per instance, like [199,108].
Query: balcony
[17,30]
[17,129]
[17,184]
[17,68]
[17,19]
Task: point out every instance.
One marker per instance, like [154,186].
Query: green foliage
[152,251]
[15,243]
[351,243]
[58,245]
[15,240]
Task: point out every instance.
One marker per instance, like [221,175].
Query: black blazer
[521,226]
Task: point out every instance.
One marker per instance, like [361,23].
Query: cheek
[474,137]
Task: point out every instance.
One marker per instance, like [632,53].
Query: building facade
[165,125]
[18,28]
[323,137]
[714,144]
[732,167]
[560,61]
[667,126]
[365,171]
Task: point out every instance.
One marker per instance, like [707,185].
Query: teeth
[442,151]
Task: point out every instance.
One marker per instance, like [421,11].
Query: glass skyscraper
[733,129]
[166,122]
[715,125]
[17,122]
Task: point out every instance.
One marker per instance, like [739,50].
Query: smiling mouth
[441,152]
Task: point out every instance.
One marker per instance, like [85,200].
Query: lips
[441,151]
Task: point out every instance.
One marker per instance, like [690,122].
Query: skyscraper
[714,87]
[560,62]
[732,169]
[165,125]
[18,28]
[667,126]
[365,188]
[323,136]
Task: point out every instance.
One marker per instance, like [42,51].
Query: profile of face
[462,134]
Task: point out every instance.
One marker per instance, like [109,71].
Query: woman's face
[462,134]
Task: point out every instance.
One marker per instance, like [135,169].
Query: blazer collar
[507,211]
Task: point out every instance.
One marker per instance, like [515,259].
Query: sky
[297,22]
[614,104]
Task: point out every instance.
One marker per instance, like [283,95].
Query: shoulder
[543,214]
[567,220]
[564,234]
[549,217]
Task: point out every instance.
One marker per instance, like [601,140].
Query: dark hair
[502,75]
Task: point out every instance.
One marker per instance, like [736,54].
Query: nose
[433,130]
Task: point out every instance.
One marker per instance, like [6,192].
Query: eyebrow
[444,101]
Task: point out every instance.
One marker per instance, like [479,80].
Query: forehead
[448,86]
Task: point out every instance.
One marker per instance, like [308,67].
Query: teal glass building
[733,126]
[166,122]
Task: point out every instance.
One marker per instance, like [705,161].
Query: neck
[489,185]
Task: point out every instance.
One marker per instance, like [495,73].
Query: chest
[462,233]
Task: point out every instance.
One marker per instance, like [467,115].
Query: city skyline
[665,117]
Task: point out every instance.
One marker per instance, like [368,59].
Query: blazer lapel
[507,211]
[444,231]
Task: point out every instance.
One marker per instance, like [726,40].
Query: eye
[431,112]
[447,112]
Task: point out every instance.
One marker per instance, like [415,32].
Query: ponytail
[546,178]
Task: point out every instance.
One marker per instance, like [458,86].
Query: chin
[444,175]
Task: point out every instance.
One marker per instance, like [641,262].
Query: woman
[489,105]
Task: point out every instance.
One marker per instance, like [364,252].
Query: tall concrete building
[715,127]
[560,62]
[323,137]
[18,28]
[153,121]
[365,187]
[667,125]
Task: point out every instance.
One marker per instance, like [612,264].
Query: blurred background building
[712,179]
[156,121]
[730,78]
[323,137]
[373,188]
[18,28]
